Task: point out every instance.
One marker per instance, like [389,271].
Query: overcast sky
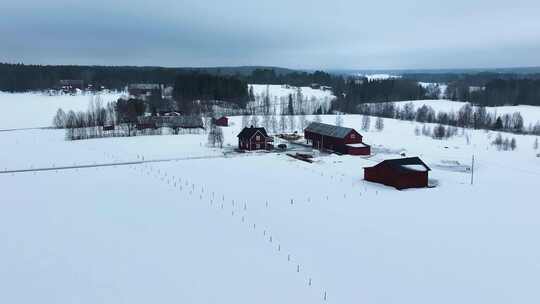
[312,34]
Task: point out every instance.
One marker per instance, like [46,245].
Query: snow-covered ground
[259,227]
[379,76]
[531,114]
[36,110]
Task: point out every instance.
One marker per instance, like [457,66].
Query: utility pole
[472,170]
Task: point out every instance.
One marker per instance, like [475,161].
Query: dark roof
[191,121]
[144,86]
[401,164]
[71,82]
[328,130]
[249,132]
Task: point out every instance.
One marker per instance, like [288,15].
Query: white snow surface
[157,232]
[379,76]
[36,110]
[358,145]
[284,90]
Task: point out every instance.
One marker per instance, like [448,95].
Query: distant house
[473,89]
[145,89]
[400,173]
[222,121]
[253,138]
[339,139]
[175,122]
[71,85]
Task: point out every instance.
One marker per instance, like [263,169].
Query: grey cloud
[297,34]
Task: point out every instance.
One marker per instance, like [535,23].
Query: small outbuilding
[335,138]
[222,121]
[254,138]
[401,173]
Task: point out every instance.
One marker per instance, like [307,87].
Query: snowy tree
[517,122]
[266,121]
[290,107]
[254,120]
[212,135]
[506,144]
[219,137]
[282,123]
[339,120]
[366,122]
[245,121]
[273,123]
[59,120]
[439,132]
[302,122]
[513,144]
[379,124]
[292,123]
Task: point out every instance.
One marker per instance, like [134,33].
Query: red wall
[337,144]
[252,144]
[400,180]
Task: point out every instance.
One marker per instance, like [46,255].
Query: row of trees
[360,91]
[467,117]
[191,88]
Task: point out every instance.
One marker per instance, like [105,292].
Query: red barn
[335,138]
[400,173]
[222,121]
[253,138]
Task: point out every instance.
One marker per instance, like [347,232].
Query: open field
[259,227]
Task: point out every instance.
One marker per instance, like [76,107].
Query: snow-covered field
[312,99]
[36,110]
[260,227]
[531,114]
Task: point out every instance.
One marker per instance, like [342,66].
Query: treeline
[466,117]
[299,79]
[21,78]
[191,88]
[508,92]
[360,91]
[471,78]
[121,118]
[487,89]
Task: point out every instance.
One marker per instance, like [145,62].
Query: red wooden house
[253,138]
[222,121]
[400,173]
[335,138]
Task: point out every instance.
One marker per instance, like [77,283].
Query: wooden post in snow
[472,170]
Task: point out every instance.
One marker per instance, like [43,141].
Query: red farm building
[401,173]
[253,138]
[222,121]
[339,139]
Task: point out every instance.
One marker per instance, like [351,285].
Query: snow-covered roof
[328,130]
[358,145]
[406,164]
[249,132]
[420,168]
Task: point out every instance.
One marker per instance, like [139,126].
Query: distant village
[402,173]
